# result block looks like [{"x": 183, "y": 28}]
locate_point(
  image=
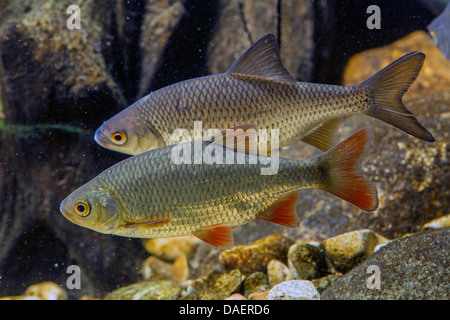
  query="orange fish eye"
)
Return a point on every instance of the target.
[
  {"x": 118, "y": 137},
  {"x": 82, "y": 208}
]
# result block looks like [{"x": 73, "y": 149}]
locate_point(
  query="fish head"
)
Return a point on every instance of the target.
[
  {"x": 127, "y": 132},
  {"x": 92, "y": 207}
]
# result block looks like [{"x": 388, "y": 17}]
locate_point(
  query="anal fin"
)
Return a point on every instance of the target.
[{"x": 323, "y": 136}]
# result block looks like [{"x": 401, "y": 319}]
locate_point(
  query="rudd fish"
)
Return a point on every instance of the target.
[
  {"x": 147, "y": 195},
  {"x": 259, "y": 90},
  {"x": 439, "y": 31}
]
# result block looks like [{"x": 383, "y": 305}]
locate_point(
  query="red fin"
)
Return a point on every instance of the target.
[
  {"x": 343, "y": 178},
  {"x": 148, "y": 224},
  {"x": 219, "y": 236},
  {"x": 282, "y": 212}
]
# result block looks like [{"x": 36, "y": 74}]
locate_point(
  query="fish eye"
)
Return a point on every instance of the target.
[
  {"x": 82, "y": 208},
  {"x": 118, "y": 137}
]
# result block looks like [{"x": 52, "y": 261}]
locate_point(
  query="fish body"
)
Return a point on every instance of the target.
[
  {"x": 259, "y": 90},
  {"x": 439, "y": 31},
  {"x": 149, "y": 196}
]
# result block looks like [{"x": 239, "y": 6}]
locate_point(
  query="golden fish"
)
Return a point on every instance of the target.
[
  {"x": 259, "y": 90},
  {"x": 149, "y": 195}
]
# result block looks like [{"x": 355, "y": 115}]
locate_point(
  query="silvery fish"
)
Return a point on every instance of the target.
[
  {"x": 259, "y": 90},
  {"x": 439, "y": 30},
  {"x": 151, "y": 195}
]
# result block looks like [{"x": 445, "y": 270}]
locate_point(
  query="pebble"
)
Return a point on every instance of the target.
[
  {"x": 170, "y": 249},
  {"x": 86, "y": 297},
  {"x": 349, "y": 249},
  {"x": 255, "y": 282},
  {"x": 438, "y": 223},
  {"x": 180, "y": 269},
  {"x": 278, "y": 272},
  {"x": 147, "y": 290},
  {"x": 259, "y": 295},
  {"x": 46, "y": 291},
  {"x": 323, "y": 283},
  {"x": 21, "y": 297},
  {"x": 236, "y": 296},
  {"x": 306, "y": 261},
  {"x": 153, "y": 268},
  {"x": 256, "y": 256},
  {"x": 215, "y": 286},
  {"x": 294, "y": 290}
]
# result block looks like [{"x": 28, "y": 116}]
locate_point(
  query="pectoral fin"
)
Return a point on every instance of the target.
[{"x": 149, "y": 224}]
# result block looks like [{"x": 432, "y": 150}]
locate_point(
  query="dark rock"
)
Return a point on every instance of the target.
[
  {"x": 56, "y": 89},
  {"x": 413, "y": 267},
  {"x": 297, "y": 45},
  {"x": 160, "y": 20},
  {"x": 241, "y": 23}
]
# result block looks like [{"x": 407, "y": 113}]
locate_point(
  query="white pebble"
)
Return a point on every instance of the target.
[
  {"x": 294, "y": 290},
  {"x": 439, "y": 223}
]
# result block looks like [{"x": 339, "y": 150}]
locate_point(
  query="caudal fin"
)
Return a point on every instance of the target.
[
  {"x": 388, "y": 86},
  {"x": 343, "y": 178}
]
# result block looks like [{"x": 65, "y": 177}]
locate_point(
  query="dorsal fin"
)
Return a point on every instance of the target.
[{"x": 262, "y": 59}]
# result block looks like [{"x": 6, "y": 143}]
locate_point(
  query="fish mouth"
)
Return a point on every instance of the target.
[
  {"x": 61, "y": 209},
  {"x": 65, "y": 213},
  {"x": 99, "y": 136}
]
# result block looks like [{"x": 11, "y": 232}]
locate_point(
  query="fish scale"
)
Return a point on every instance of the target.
[
  {"x": 268, "y": 106},
  {"x": 136, "y": 189}
]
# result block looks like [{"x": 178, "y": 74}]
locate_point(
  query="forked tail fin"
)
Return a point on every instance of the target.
[
  {"x": 342, "y": 178},
  {"x": 388, "y": 86}
]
